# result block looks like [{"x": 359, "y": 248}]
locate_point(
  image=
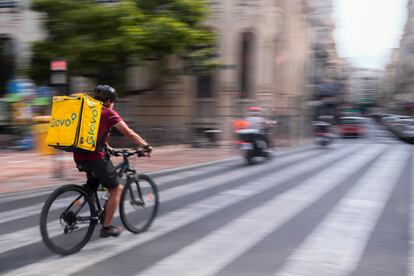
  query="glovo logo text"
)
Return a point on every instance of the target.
[
  {"x": 92, "y": 128},
  {"x": 63, "y": 122}
]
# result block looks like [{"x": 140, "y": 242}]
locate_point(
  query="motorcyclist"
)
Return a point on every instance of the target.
[
  {"x": 256, "y": 121},
  {"x": 323, "y": 125}
]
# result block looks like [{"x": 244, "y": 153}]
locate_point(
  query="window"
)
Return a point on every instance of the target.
[
  {"x": 245, "y": 74},
  {"x": 205, "y": 86}
]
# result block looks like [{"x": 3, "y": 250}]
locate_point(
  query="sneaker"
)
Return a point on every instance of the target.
[{"x": 110, "y": 231}]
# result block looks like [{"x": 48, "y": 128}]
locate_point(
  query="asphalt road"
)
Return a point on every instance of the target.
[{"x": 341, "y": 210}]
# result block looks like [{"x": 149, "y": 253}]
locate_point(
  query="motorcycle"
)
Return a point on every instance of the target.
[
  {"x": 252, "y": 143},
  {"x": 323, "y": 136}
]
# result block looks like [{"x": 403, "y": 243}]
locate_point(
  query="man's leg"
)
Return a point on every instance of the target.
[
  {"x": 92, "y": 183},
  {"x": 108, "y": 177},
  {"x": 112, "y": 204}
]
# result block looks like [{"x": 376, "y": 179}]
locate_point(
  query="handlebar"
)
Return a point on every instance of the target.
[{"x": 128, "y": 152}]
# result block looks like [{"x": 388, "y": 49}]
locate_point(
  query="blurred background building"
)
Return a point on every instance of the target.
[
  {"x": 404, "y": 82},
  {"x": 388, "y": 96},
  {"x": 264, "y": 48},
  {"x": 19, "y": 27},
  {"x": 276, "y": 54},
  {"x": 327, "y": 70},
  {"x": 364, "y": 87}
]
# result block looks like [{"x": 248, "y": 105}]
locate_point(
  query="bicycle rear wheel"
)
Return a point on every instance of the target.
[
  {"x": 67, "y": 220},
  {"x": 139, "y": 204}
]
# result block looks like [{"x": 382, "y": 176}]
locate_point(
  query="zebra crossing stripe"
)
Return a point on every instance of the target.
[
  {"x": 4, "y": 198},
  {"x": 203, "y": 184},
  {"x": 35, "y": 208},
  {"x": 335, "y": 247},
  {"x": 97, "y": 251},
  {"x": 411, "y": 229},
  {"x": 193, "y": 170},
  {"x": 232, "y": 240},
  {"x": 31, "y": 235},
  {"x": 159, "y": 176},
  {"x": 27, "y": 211}
]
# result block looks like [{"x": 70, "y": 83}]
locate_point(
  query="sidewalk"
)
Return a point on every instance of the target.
[{"x": 28, "y": 170}]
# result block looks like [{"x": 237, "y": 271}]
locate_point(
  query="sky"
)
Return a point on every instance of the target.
[{"x": 367, "y": 30}]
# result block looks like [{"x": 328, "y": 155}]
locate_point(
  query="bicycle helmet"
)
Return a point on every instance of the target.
[{"x": 105, "y": 92}]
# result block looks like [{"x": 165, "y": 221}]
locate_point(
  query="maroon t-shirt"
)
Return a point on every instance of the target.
[{"x": 109, "y": 118}]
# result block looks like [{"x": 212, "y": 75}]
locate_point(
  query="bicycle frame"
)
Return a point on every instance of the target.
[
  {"x": 84, "y": 206},
  {"x": 124, "y": 168},
  {"x": 97, "y": 215}
]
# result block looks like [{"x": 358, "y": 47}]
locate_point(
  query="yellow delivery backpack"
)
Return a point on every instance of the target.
[{"x": 74, "y": 122}]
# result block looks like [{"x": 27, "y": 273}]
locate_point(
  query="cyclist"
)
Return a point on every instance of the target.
[{"x": 98, "y": 166}]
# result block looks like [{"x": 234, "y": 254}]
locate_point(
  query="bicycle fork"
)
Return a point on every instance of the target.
[{"x": 134, "y": 201}]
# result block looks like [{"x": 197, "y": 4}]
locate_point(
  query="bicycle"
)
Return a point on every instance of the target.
[{"x": 72, "y": 211}]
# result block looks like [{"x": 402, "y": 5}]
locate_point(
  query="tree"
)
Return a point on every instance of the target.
[{"x": 100, "y": 40}]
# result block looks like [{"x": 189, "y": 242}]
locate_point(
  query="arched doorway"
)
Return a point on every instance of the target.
[
  {"x": 246, "y": 65},
  {"x": 7, "y": 62}
]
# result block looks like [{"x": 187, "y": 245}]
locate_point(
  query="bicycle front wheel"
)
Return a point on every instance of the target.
[
  {"x": 67, "y": 220},
  {"x": 139, "y": 204}
]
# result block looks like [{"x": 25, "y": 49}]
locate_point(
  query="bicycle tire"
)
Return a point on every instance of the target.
[
  {"x": 151, "y": 197},
  {"x": 47, "y": 239}
]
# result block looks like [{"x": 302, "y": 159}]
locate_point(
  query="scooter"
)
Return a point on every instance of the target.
[
  {"x": 252, "y": 143},
  {"x": 323, "y": 137}
]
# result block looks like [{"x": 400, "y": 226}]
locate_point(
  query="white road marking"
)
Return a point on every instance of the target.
[
  {"x": 32, "y": 235},
  {"x": 232, "y": 240},
  {"x": 337, "y": 244},
  {"x": 94, "y": 252}
]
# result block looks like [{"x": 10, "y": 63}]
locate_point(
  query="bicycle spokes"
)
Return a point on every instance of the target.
[
  {"x": 139, "y": 204},
  {"x": 68, "y": 220}
]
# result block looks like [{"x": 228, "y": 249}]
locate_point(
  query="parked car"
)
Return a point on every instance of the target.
[
  {"x": 406, "y": 129},
  {"x": 352, "y": 126},
  {"x": 388, "y": 119}
]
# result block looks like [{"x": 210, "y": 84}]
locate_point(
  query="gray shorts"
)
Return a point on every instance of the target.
[{"x": 101, "y": 169}]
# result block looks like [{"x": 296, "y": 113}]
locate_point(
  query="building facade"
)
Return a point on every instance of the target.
[
  {"x": 264, "y": 49},
  {"x": 327, "y": 79},
  {"x": 389, "y": 96},
  {"x": 19, "y": 27},
  {"x": 404, "y": 83},
  {"x": 269, "y": 50},
  {"x": 365, "y": 87}
]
